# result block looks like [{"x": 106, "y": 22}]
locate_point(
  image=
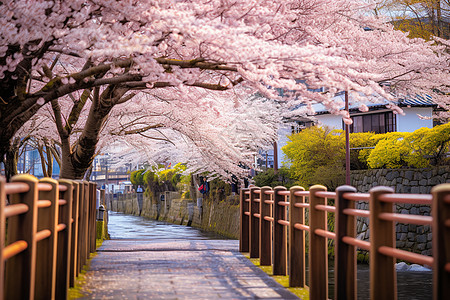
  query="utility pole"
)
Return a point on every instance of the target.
[
  {"x": 275, "y": 157},
  {"x": 347, "y": 144}
]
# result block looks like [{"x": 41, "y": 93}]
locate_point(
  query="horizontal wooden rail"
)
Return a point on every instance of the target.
[
  {"x": 15, "y": 209},
  {"x": 247, "y": 192},
  {"x": 407, "y": 219},
  {"x": 268, "y": 201},
  {"x": 62, "y": 188},
  {"x": 283, "y": 222},
  {"x": 302, "y": 205},
  {"x": 302, "y": 193},
  {"x": 44, "y": 187},
  {"x": 247, "y": 213},
  {"x": 270, "y": 192},
  {"x": 327, "y": 208},
  {"x": 62, "y": 202},
  {"x": 447, "y": 199},
  {"x": 257, "y": 200},
  {"x": 447, "y": 267},
  {"x": 283, "y": 203},
  {"x": 407, "y": 198},
  {"x": 247, "y": 200},
  {"x": 447, "y": 223},
  {"x": 14, "y": 249},
  {"x": 270, "y": 219},
  {"x": 355, "y": 242},
  {"x": 325, "y": 233},
  {"x": 406, "y": 255},
  {"x": 357, "y": 196},
  {"x": 44, "y": 203},
  {"x": 301, "y": 227},
  {"x": 257, "y": 215},
  {"x": 16, "y": 188},
  {"x": 61, "y": 227},
  {"x": 284, "y": 193},
  {"x": 330, "y": 195},
  {"x": 356, "y": 212},
  {"x": 257, "y": 191},
  {"x": 43, "y": 234}
]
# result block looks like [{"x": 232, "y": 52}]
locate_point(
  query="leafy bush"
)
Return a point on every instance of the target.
[
  {"x": 137, "y": 178},
  {"x": 317, "y": 155},
  {"x": 269, "y": 178},
  {"x": 422, "y": 148}
]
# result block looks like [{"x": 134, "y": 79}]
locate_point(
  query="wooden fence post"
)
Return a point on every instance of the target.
[
  {"x": 2, "y": 233},
  {"x": 345, "y": 255},
  {"x": 318, "y": 247},
  {"x": 93, "y": 217},
  {"x": 85, "y": 232},
  {"x": 265, "y": 230},
  {"x": 244, "y": 222},
  {"x": 74, "y": 237},
  {"x": 20, "y": 272},
  {"x": 297, "y": 264},
  {"x": 64, "y": 241},
  {"x": 46, "y": 250},
  {"x": 254, "y": 224},
  {"x": 441, "y": 241},
  {"x": 279, "y": 234},
  {"x": 81, "y": 228},
  {"x": 383, "y": 279}
]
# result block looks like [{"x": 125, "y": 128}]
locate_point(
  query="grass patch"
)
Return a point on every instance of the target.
[
  {"x": 77, "y": 291},
  {"x": 302, "y": 293}
]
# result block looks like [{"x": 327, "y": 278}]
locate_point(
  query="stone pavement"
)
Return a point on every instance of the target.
[{"x": 177, "y": 269}]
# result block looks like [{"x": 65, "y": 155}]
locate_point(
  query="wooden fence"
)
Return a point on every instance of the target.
[
  {"x": 267, "y": 232},
  {"x": 51, "y": 230}
]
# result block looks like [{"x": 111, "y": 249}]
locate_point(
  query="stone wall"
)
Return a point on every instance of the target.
[
  {"x": 415, "y": 238},
  {"x": 415, "y": 181}
]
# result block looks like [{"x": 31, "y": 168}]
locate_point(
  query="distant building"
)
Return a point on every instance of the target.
[
  {"x": 114, "y": 179},
  {"x": 379, "y": 118}
]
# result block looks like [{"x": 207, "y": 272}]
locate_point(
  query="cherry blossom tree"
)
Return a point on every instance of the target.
[{"x": 105, "y": 52}]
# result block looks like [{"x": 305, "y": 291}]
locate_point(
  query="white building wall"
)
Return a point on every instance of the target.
[
  {"x": 411, "y": 121},
  {"x": 330, "y": 120}
]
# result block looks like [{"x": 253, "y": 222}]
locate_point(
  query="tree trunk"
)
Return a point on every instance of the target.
[
  {"x": 12, "y": 157},
  {"x": 75, "y": 163}
]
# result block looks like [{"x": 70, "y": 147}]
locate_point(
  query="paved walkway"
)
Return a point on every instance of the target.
[
  {"x": 177, "y": 269},
  {"x": 174, "y": 268}
]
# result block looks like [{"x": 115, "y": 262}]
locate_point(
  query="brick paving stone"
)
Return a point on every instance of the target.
[{"x": 176, "y": 269}]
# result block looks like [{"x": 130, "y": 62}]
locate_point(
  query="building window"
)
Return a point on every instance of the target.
[
  {"x": 300, "y": 125},
  {"x": 378, "y": 123}
]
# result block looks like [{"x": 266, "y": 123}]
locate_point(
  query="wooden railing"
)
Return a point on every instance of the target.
[
  {"x": 51, "y": 230},
  {"x": 267, "y": 232}
]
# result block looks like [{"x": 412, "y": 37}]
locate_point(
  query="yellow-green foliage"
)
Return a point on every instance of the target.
[
  {"x": 316, "y": 149},
  {"x": 158, "y": 179},
  {"x": 317, "y": 155},
  {"x": 419, "y": 149},
  {"x": 390, "y": 152}
]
